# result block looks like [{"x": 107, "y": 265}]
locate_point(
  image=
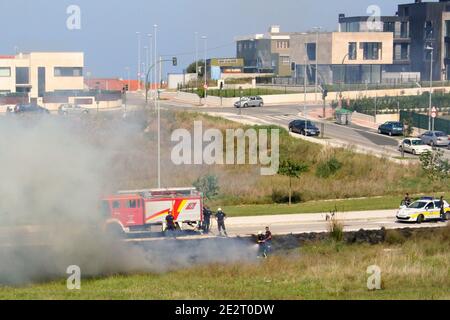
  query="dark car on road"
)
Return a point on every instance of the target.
[
  {"x": 306, "y": 128},
  {"x": 392, "y": 128},
  {"x": 30, "y": 109}
]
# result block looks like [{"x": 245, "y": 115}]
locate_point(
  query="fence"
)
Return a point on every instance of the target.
[{"x": 421, "y": 121}]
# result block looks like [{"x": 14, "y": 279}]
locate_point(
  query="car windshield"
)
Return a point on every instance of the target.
[
  {"x": 440, "y": 134},
  {"x": 418, "y": 205},
  {"x": 417, "y": 143},
  {"x": 397, "y": 124}
]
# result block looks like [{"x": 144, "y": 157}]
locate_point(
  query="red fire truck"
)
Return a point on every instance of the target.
[{"x": 140, "y": 210}]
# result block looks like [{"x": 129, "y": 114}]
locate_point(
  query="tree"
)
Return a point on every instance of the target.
[
  {"x": 291, "y": 169},
  {"x": 191, "y": 67},
  {"x": 208, "y": 185},
  {"x": 435, "y": 166}
]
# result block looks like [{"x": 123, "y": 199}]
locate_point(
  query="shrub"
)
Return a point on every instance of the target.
[
  {"x": 394, "y": 237},
  {"x": 336, "y": 230},
  {"x": 328, "y": 168},
  {"x": 281, "y": 197},
  {"x": 208, "y": 185}
]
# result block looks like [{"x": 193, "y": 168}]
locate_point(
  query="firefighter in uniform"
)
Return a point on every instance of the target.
[
  {"x": 206, "y": 219},
  {"x": 170, "y": 222},
  {"x": 220, "y": 217}
]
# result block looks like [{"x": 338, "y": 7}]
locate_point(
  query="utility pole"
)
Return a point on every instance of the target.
[
  {"x": 304, "y": 98},
  {"x": 155, "y": 27},
  {"x": 150, "y": 59},
  {"x": 317, "y": 61},
  {"x": 196, "y": 59},
  {"x": 205, "y": 38},
  {"x": 431, "y": 86},
  {"x": 139, "y": 61}
]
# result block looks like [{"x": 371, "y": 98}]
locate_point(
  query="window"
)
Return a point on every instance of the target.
[
  {"x": 68, "y": 71},
  {"x": 430, "y": 206},
  {"x": 22, "y": 75},
  {"x": 371, "y": 50},
  {"x": 404, "y": 29},
  {"x": 132, "y": 204},
  {"x": 285, "y": 60},
  {"x": 5, "y": 72},
  {"x": 311, "y": 51},
  {"x": 352, "y": 51},
  {"x": 401, "y": 51},
  {"x": 239, "y": 47},
  {"x": 429, "y": 30},
  {"x": 116, "y": 205},
  {"x": 389, "y": 27}
]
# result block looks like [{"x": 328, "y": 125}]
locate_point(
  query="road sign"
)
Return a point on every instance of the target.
[{"x": 434, "y": 112}]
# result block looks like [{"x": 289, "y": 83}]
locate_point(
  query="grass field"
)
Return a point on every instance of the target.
[
  {"x": 346, "y": 205},
  {"x": 417, "y": 268}
]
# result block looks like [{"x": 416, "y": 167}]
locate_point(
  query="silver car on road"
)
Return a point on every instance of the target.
[
  {"x": 246, "y": 102},
  {"x": 435, "y": 138},
  {"x": 67, "y": 108}
]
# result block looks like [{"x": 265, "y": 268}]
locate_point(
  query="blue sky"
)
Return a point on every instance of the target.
[{"x": 108, "y": 38}]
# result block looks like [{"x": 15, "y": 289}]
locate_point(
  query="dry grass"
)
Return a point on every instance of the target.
[
  {"x": 417, "y": 269},
  {"x": 360, "y": 175}
]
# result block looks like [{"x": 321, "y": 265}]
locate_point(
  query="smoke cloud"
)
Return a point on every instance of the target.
[{"x": 53, "y": 173}]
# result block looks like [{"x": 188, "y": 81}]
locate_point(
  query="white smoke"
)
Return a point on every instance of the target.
[{"x": 53, "y": 173}]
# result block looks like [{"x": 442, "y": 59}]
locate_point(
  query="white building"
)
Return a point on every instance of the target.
[{"x": 38, "y": 73}]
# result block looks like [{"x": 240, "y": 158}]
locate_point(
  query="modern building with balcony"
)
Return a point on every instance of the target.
[
  {"x": 37, "y": 73},
  {"x": 420, "y": 29},
  {"x": 351, "y": 57}
]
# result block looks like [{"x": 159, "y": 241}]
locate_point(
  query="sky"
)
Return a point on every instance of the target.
[{"x": 107, "y": 33}]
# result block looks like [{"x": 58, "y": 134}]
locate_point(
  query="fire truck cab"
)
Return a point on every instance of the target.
[{"x": 140, "y": 210}]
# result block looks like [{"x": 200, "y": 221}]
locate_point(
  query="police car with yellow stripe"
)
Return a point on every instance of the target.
[{"x": 425, "y": 209}]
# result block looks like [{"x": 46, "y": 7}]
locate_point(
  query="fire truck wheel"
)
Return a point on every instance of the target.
[{"x": 115, "y": 231}]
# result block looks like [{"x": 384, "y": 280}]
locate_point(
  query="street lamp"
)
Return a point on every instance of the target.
[
  {"x": 150, "y": 54},
  {"x": 317, "y": 29},
  {"x": 431, "y": 85},
  {"x": 196, "y": 59},
  {"x": 155, "y": 78},
  {"x": 139, "y": 60},
  {"x": 205, "y": 38}
]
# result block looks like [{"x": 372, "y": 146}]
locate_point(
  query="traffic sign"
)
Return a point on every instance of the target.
[{"x": 434, "y": 112}]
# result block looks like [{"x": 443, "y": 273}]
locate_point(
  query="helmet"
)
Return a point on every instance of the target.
[
  {"x": 220, "y": 209},
  {"x": 260, "y": 233}
]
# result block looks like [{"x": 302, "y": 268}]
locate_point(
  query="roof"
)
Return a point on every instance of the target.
[{"x": 7, "y": 57}]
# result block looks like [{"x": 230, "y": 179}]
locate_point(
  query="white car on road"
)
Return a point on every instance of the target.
[
  {"x": 415, "y": 146},
  {"x": 425, "y": 209}
]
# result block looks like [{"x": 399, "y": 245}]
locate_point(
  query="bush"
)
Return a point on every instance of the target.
[
  {"x": 208, "y": 185},
  {"x": 328, "y": 168},
  {"x": 282, "y": 197},
  {"x": 336, "y": 230},
  {"x": 394, "y": 237}
]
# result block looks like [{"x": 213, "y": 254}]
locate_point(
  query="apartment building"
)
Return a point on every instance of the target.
[
  {"x": 38, "y": 73},
  {"x": 353, "y": 57},
  {"x": 420, "y": 29}
]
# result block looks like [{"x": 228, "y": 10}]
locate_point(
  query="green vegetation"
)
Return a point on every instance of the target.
[
  {"x": 364, "y": 204},
  {"x": 291, "y": 170},
  {"x": 208, "y": 185},
  {"x": 342, "y": 173},
  {"x": 414, "y": 268},
  {"x": 389, "y": 104}
]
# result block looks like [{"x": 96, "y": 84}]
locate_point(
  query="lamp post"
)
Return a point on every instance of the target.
[
  {"x": 150, "y": 36},
  {"x": 155, "y": 75},
  {"x": 196, "y": 59},
  {"x": 205, "y": 38},
  {"x": 317, "y": 29},
  {"x": 431, "y": 49},
  {"x": 139, "y": 60}
]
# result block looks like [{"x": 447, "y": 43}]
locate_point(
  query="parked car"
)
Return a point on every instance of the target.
[
  {"x": 68, "y": 108},
  {"x": 425, "y": 209},
  {"x": 415, "y": 146},
  {"x": 391, "y": 128},
  {"x": 30, "y": 108},
  {"x": 435, "y": 138},
  {"x": 246, "y": 102},
  {"x": 306, "y": 128}
]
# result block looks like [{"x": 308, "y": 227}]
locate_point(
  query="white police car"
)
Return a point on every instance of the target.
[{"x": 425, "y": 209}]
